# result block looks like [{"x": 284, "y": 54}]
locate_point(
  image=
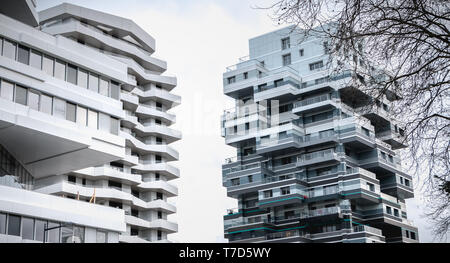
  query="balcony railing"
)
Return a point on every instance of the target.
[
  {"x": 287, "y": 234},
  {"x": 315, "y": 155},
  {"x": 313, "y": 100},
  {"x": 363, "y": 228}
]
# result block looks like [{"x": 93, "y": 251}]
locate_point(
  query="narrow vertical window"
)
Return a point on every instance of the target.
[
  {"x": 92, "y": 119},
  {"x": 33, "y": 100},
  {"x": 71, "y": 112},
  {"x": 93, "y": 82},
  {"x": 72, "y": 74},
  {"x": 21, "y": 95},
  {"x": 9, "y": 49},
  {"x": 7, "y": 90},
  {"x": 81, "y": 116},
  {"x": 48, "y": 65},
  {"x": 104, "y": 87},
  {"x": 60, "y": 69},
  {"x": 115, "y": 90},
  {"x": 82, "y": 78},
  {"x": 23, "y": 55},
  {"x": 46, "y": 104},
  {"x": 36, "y": 59},
  {"x": 59, "y": 108}
]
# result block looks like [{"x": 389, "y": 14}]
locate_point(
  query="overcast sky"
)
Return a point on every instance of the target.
[{"x": 199, "y": 39}]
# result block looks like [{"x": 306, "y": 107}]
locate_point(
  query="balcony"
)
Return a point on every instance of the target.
[
  {"x": 166, "y": 188},
  {"x": 148, "y": 111},
  {"x": 278, "y": 143},
  {"x": 245, "y": 221},
  {"x": 165, "y": 169},
  {"x": 328, "y": 155},
  {"x": 309, "y": 214},
  {"x": 395, "y": 139},
  {"x": 161, "y": 94},
  {"x": 317, "y": 103},
  {"x": 253, "y": 68},
  {"x": 295, "y": 235}
]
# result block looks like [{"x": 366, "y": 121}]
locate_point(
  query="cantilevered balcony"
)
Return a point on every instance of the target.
[
  {"x": 323, "y": 156},
  {"x": 395, "y": 139},
  {"x": 165, "y": 169},
  {"x": 318, "y": 103}
]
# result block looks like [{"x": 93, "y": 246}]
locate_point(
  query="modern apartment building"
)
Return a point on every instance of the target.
[
  {"x": 314, "y": 162},
  {"x": 84, "y": 128}
]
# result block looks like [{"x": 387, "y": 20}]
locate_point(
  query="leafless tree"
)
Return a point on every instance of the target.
[{"x": 409, "y": 40}]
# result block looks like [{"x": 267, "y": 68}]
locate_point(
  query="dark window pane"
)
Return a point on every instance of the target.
[
  {"x": 27, "y": 228},
  {"x": 21, "y": 95},
  {"x": 71, "y": 112},
  {"x": 72, "y": 74},
  {"x": 115, "y": 126},
  {"x": 23, "y": 55},
  {"x": 36, "y": 59},
  {"x": 2, "y": 224},
  {"x": 14, "y": 225},
  {"x": 115, "y": 90}
]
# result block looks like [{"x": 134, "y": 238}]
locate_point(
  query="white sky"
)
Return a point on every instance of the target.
[{"x": 199, "y": 39}]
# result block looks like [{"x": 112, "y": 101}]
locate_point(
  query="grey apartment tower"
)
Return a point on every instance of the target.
[{"x": 314, "y": 163}]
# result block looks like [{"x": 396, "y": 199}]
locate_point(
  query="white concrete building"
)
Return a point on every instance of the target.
[{"x": 83, "y": 115}]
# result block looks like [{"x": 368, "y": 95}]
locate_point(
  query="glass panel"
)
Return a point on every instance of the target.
[
  {"x": 27, "y": 228},
  {"x": 33, "y": 100},
  {"x": 67, "y": 234},
  {"x": 82, "y": 78},
  {"x": 23, "y": 55},
  {"x": 104, "y": 122},
  {"x": 101, "y": 237},
  {"x": 115, "y": 90},
  {"x": 21, "y": 95},
  {"x": 59, "y": 108},
  {"x": 7, "y": 90},
  {"x": 53, "y": 235},
  {"x": 39, "y": 233},
  {"x": 93, "y": 119},
  {"x": 104, "y": 87},
  {"x": 78, "y": 233},
  {"x": 71, "y": 112},
  {"x": 46, "y": 104},
  {"x": 13, "y": 225},
  {"x": 93, "y": 82},
  {"x": 47, "y": 65},
  {"x": 114, "y": 126},
  {"x": 81, "y": 116},
  {"x": 72, "y": 74},
  {"x": 60, "y": 69},
  {"x": 2, "y": 224},
  {"x": 36, "y": 59},
  {"x": 9, "y": 49}
]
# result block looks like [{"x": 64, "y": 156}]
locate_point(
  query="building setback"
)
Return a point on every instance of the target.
[
  {"x": 314, "y": 163},
  {"x": 83, "y": 120}
]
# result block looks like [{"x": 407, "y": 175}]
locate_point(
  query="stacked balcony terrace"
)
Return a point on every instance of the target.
[
  {"x": 314, "y": 162},
  {"x": 139, "y": 182}
]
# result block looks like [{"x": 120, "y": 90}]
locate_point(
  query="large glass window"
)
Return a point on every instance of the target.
[
  {"x": 53, "y": 235},
  {"x": 46, "y": 104},
  {"x": 82, "y": 78},
  {"x": 9, "y": 49},
  {"x": 47, "y": 65},
  {"x": 70, "y": 112},
  {"x": 21, "y": 95},
  {"x": 72, "y": 234},
  {"x": 59, "y": 108},
  {"x": 72, "y": 74},
  {"x": 36, "y": 59},
  {"x": 92, "y": 119},
  {"x": 104, "y": 122},
  {"x": 2, "y": 224},
  {"x": 115, "y": 90},
  {"x": 23, "y": 55},
  {"x": 104, "y": 87},
  {"x": 115, "y": 123},
  {"x": 101, "y": 237},
  {"x": 39, "y": 233},
  {"x": 81, "y": 116},
  {"x": 7, "y": 90},
  {"x": 33, "y": 100},
  {"x": 27, "y": 228},
  {"x": 60, "y": 69},
  {"x": 93, "y": 82},
  {"x": 13, "y": 225}
]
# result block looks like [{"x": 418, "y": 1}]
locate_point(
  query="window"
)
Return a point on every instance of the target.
[
  {"x": 114, "y": 184},
  {"x": 21, "y": 95},
  {"x": 82, "y": 78},
  {"x": 33, "y": 100},
  {"x": 245, "y": 75},
  {"x": 101, "y": 237},
  {"x": 316, "y": 65},
  {"x": 46, "y": 104},
  {"x": 413, "y": 235},
  {"x": 28, "y": 228},
  {"x": 135, "y": 193},
  {"x": 2, "y": 224},
  {"x": 286, "y": 59},
  {"x": 13, "y": 225},
  {"x": 48, "y": 65},
  {"x": 115, "y": 204},
  {"x": 36, "y": 59},
  {"x": 159, "y": 234},
  {"x": 9, "y": 49},
  {"x": 396, "y": 212},
  {"x": 59, "y": 108},
  {"x": 158, "y": 158},
  {"x": 39, "y": 230},
  {"x": 250, "y": 178},
  {"x": 267, "y": 194},
  {"x": 135, "y": 212},
  {"x": 60, "y": 69},
  {"x": 159, "y": 106},
  {"x": 286, "y": 160},
  {"x": 326, "y": 48},
  {"x": 235, "y": 182},
  {"x": 158, "y": 121},
  {"x": 81, "y": 116},
  {"x": 72, "y": 74},
  {"x": 278, "y": 83},
  {"x": 371, "y": 187},
  {"x": 285, "y": 43},
  {"x": 160, "y": 215},
  {"x": 104, "y": 122},
  {"x": 285, "y": 190},
  {"x": 93, "y": 82},
  {"x": 115, "y": 90},
  {"x": 71, "y": 112},
  {"x": 134, "y": 232},
  {"x": 407, "y": 183},
  {"x": 7, "y": 90},
  {"x": 92, "y": 119},
  {"x": 158, "y": 140},
  {"x": 262, "y": 87},
  {"x": 83, "y": 181},
  {"x": 23, "y": 55},
  {"x": 71, "y": 179},
  {"x": 231, "y": 80},
  {"x": 301, "y": 52},
  {"x": 104, "y": 87},
  {"x": 157, "y": 176},
  {"x": 159, "y": 196},
  {"x": 388, "y": 210},
  {"x": 114, "y": 128}
]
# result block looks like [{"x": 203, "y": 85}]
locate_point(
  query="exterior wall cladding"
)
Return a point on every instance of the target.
[
  {"x": 313, "y": 164},
  {"x": 83, "y": 114}
]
